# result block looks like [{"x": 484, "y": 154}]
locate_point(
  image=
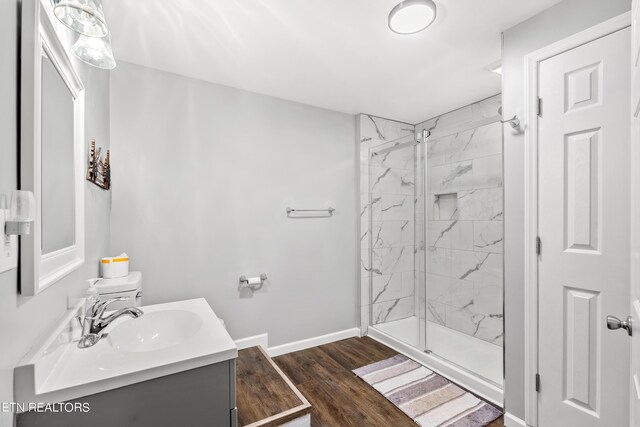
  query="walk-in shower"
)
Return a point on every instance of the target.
[{"x": 433, "y": 256}]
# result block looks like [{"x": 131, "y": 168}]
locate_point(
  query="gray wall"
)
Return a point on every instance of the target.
[
  {"x": 24, "y": 319},
  {"x": 202, "y": 175},
  {"x": 556, "y": 23}
]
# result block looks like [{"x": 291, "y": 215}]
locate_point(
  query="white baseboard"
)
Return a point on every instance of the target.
[
  {"x": 313, "y": 342},
  {"x": 262, "y": 340},
  {"x": 513, "y": 421}
]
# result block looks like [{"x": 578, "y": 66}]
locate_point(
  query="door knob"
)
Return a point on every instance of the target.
[{"x": 614, "y": 323}]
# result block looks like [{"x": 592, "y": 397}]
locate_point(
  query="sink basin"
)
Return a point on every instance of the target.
[
  {"x": 154, "y": 331},
  {"x": 167, "y": 339}
]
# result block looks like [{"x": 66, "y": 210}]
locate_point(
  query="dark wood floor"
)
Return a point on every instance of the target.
[
  {"x": 339, "y": 398},
  {"x": 265, "y": 396}
]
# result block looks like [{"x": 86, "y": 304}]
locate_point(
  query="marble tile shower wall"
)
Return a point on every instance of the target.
[
  {"x": 464, "y": 222},
  {"x": 387, "y": 222}
]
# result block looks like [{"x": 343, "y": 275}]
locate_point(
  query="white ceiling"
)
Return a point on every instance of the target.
[{"x": 336, "y": 54}]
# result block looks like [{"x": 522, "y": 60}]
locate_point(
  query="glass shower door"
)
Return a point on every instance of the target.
[
  {"x": 464, "y": 220},
  {"x": 396, "y": 244}
]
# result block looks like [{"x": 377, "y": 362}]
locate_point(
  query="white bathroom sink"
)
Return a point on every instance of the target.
[
  {"x": 154, "y": 331},
  {"x": 167, "y": 339}
]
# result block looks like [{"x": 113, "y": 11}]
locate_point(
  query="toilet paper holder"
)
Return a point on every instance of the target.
[{"x": 253, "y": 282}]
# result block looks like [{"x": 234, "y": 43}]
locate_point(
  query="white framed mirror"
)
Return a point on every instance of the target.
[{"x": 51, "y": 153}]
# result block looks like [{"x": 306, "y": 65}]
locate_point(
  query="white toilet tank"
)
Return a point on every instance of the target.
[{"x": 129, "y": 286}]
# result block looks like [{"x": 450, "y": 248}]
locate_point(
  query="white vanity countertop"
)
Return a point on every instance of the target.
[{"x": 57, "y": 372}]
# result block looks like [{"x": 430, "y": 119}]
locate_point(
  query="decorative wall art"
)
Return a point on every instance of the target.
[{"x": 99, "y": 171}]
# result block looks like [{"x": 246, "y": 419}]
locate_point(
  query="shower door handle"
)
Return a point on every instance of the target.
[{"x": 614, "y": 323}]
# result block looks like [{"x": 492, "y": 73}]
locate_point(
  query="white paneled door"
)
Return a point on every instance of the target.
[
  {"x": 583, "y": 223},
  {"x": 635, "y": 214}
]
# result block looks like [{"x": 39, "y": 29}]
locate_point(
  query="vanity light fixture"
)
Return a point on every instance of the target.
[
  {"x": 95, "y": 51},
  {"x": 412, "y": 16},
  {"x": 86, "y": 18},
  {"x": 82, "y": 16}
]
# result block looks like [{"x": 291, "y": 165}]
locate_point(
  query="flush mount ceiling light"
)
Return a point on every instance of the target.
[
  {"x": 412, "y": 16},
  {"x": 82, "y": 16}
]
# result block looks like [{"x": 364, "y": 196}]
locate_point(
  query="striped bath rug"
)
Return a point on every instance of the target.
[{"x": 426, "y": 397}]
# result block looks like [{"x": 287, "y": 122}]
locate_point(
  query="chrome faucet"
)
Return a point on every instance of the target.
[{"x": 94, "y": 323}]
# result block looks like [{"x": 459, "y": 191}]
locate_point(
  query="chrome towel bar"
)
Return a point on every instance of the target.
[{"x": 329, "y": 210}]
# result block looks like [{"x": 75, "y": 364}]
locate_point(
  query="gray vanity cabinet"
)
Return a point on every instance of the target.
[{"x": 203, "y": 396}]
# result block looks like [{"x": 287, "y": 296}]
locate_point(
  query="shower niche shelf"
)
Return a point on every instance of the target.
[{"x": 445, "y": 206}]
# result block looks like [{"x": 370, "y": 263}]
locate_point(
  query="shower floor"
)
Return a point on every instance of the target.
[{"x": 478, "y": 356}]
